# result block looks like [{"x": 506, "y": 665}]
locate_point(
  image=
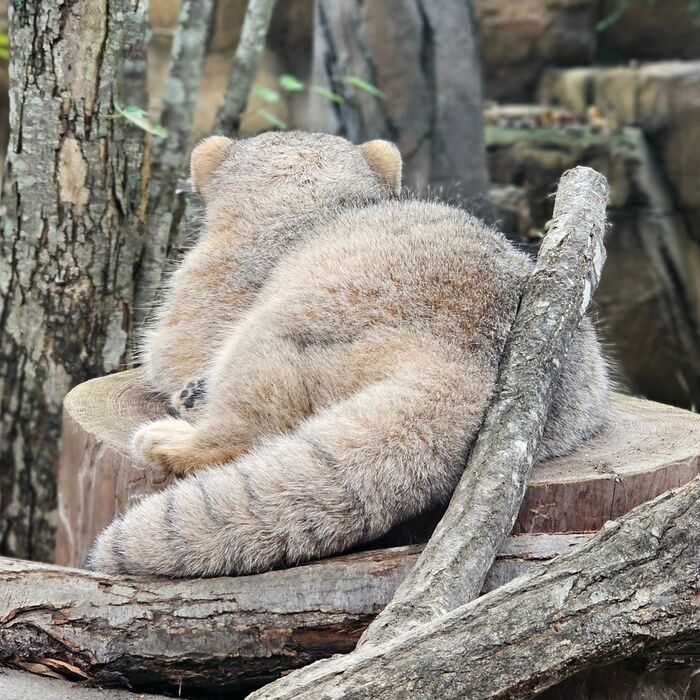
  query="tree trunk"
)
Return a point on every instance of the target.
[
  {"x": 423, "y": 56},
  {"x": 486, "y": 502},
  {"x": 245, "y": 65},
  {"x": 228, "y": 634},
  {"x": 632, "y": 588},
  {"x": 72, "y": 232},
  {"x": 256, "y": 23},
  {"x": 170, "y": 155}
]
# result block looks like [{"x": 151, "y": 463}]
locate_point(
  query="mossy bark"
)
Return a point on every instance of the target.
[{"x": 72, "y": 234}]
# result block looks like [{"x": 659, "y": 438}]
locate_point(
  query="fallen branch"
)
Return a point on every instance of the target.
[
  {"x": 225, "y": 633},
  {"x": 484, "y": 507},
  {"x": 633, "y": 588}
]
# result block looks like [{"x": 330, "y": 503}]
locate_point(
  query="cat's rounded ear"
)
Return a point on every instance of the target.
[
  {"x": 384, "y": 158},
  {"x": 206, "y": 157}
]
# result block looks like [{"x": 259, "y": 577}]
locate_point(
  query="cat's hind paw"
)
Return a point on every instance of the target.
[{"x": 168, "y": 444}]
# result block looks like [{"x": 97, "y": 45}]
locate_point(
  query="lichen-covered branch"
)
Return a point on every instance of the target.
[
  {"x": 225, "y": 633},
  {"x": 485, "y": 504},
  {"x": 169, "y": 155},
  {"x": 72, "y": 232},
  {"x": 245, "y": 65},
  {"x": 633, "y": 588}
]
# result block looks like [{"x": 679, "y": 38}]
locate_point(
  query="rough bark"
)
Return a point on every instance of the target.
[
  {"x": 71, "y": 235},
  {"x": 230, "y": 634},
  {"x": 245, "y": 64},
  {"x": 632, "y": 588},
  {"x": 169, "y": 156},
  {"x": 488, "y": 498},
  {"x": 645, "y": 450},
  {"x": 423, "y": 56}
]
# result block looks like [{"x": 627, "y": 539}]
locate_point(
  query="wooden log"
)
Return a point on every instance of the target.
[
  {"x": 485, "y": 505},
  {"x": 232, "y": 634},
  {"x": 632, "y": 588},
  {"x": 647, "y": 449}
]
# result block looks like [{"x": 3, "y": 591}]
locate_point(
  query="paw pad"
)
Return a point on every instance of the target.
[{"x": 193, "y": 393}]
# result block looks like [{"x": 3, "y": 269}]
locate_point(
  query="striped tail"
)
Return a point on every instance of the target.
[{"x": 344, "y": 477}]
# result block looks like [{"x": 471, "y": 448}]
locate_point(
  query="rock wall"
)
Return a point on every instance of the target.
[
  {"x": 663, "y": 99},
  {"x": 649, "y": 297},
  {"x": 650, "y": 31},
  {"x": 519, "y": 38}
]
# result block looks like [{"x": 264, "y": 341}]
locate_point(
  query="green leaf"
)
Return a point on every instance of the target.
[
  {"x": 4, "y": 40},
  {"x": 138, "y": 117},
  {"x": 290, "y": 83},
  {"x": 325, "y": 92},
  {"x": 272, "y": 119},
  {"x": 4, "y": 53},
  {"x": 267, "y": 94},
  {"x": 622, "y": 6},
  {"x": 361, "y": 84}
]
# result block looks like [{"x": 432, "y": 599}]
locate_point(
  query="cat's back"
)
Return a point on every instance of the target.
[{"x": 404, "y": 263}]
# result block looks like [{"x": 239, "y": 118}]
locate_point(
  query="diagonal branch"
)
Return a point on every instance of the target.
[
  {"x": 633, "y": 588},
  {"x": 452, "y": 568}
]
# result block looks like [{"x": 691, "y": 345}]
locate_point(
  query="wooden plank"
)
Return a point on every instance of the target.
[{"x": 647, "y": 449}]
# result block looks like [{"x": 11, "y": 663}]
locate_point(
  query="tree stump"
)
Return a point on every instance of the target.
[
  {"x": 647, "y": 449},
  {"x": 236, "y": 634}
]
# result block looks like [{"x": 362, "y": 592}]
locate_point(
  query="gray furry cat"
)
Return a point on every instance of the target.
[{"x": 332, "y": 349}]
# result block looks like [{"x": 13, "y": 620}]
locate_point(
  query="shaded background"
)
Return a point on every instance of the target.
[{"x": 560, "y": 89}]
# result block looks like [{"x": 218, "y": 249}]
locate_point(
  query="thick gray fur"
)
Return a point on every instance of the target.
[{"x": 349, "y": 340}]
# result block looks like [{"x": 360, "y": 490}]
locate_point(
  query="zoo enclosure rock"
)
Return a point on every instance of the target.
[
  {"x": 519, "y": 38},
  {"x": 663, "y": 99},
  {"x": 649, "y": 296},
  {"x": 651, "y": 31}
]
